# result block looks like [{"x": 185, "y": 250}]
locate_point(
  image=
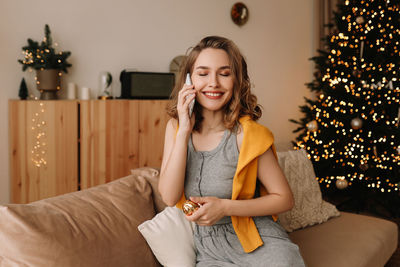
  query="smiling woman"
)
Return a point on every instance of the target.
[{"x": 221, "y": 159}]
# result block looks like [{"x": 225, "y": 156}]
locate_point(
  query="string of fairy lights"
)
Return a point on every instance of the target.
[
  {"x": 39, "y": 148},
  {"x": 370, "y": 89},
  {"x": 42, "y": 57},
  {"x": 39, "y": 55}
]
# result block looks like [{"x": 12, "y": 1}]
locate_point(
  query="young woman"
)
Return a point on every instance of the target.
[{"x": 222, "y": 159}]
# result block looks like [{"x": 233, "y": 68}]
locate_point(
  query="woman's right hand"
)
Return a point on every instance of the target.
[{"x": 185, "y": 96}]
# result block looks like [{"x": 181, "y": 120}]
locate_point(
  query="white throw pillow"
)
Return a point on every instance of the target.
[{"x": 170, "y": 237}]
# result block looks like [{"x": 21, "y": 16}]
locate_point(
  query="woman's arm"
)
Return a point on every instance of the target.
[
  {"x": 172, "y": 174},
  {"x": 173, "y": 166},
  {"x": 278, "y": 199}
]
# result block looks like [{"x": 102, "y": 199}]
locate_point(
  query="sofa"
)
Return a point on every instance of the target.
[{"x": 99, "y": 227}]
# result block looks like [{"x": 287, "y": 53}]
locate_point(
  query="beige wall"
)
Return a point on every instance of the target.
[{"x": 112, "y": 35}]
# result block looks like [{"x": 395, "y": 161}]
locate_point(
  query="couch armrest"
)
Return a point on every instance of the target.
[{"x": 348, "y": 241}]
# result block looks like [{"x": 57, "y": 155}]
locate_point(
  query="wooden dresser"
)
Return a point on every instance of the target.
[{"x": 60, "y": 146}]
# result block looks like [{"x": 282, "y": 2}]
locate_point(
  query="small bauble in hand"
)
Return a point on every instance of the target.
[
  {"x": 356, "y": 123},
  {"x": 189, "y": 207},
  {"x": 341, "y": 184},
  {"x": 312, "y": 126}
]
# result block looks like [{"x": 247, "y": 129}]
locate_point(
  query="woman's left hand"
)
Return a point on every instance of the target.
[{"x": 212, "y": 210}]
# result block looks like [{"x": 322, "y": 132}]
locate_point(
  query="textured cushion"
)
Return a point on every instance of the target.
[
  {"x": 93, "y": 227},
  {"x": 151, "y": 175},
  {"x": 170, "y": 237},
  {"x": 347, "y": 241},
  {"x": 309, "y": 208}
]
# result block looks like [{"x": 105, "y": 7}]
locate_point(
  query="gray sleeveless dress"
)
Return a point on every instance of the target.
[{"x": 210, "y": 173}]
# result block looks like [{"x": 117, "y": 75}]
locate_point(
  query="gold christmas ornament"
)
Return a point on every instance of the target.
[
  {"x": 356, "y": 123},
  {"x": 364, "y": 166},
  {"x": 341, "y": 184},
  {"x": 375, "y": 151},
  {"x": 360, "y": 20},
  {"x": 312, "y": 126},
  {"x": 189, "y": 207},
  {"x": 357, "y": 73}
]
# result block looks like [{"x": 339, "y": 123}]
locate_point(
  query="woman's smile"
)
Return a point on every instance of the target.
[{"x": 213, "y": 94}]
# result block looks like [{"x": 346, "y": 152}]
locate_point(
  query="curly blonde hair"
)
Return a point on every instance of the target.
[{"x": 242, "y": 103}]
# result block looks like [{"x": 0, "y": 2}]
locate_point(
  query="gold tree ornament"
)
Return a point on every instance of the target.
[
  {"x": 357, "y": 73},
  {"x": 341, "y": 183},
  {"x": 360, "y": 20},
  {"x": 375, "y": 151},
  {"x": 312, "y": 126},
  {"x": 356, "y": 123},
  {"x": 364, "y": 166}
]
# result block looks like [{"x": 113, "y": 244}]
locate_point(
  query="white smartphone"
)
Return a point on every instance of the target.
[{"x": 191, "y": 104}]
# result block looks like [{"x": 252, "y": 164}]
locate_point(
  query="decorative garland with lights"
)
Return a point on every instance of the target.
[
  {"x": 39, "y": 132},
  {"x": 44, "y": 56},
  {"x": 351, "y": 130}
]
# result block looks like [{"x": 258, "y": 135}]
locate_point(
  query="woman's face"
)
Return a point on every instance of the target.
[{"x": 213, "y": 79}]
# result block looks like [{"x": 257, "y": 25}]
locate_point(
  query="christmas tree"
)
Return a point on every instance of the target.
[
  {"x": 43, "y": 55},
  {"x": 23, "y": 90},
  {"x": 351, "y": 130}
]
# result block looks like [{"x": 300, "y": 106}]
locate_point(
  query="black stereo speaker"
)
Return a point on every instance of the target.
[{"x": 146, "y": 85}]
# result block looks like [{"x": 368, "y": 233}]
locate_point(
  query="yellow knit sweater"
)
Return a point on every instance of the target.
[{"x": 257, "y": 139}]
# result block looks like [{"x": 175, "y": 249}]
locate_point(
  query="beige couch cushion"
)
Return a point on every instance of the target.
[
  {"x": 350, "y": 240},
  {"x": 94, "y": 227},
  {"x": 152, "y": 176},
  {"x": 309, "y": 208}
]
